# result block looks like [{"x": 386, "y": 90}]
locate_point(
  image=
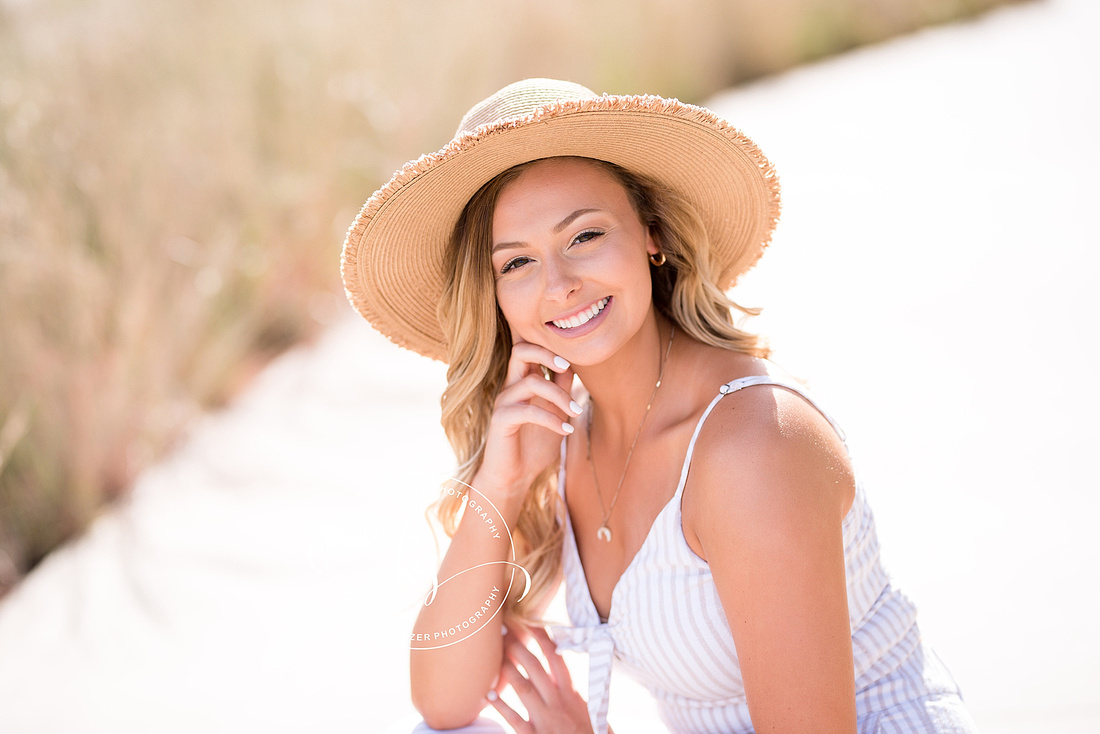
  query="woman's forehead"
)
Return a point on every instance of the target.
[{"x": 552, "y": 186}]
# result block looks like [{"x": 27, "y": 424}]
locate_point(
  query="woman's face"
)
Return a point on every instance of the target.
[{"x": 570, "y": 260}]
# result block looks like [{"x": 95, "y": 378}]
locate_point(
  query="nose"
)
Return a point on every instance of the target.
[{"x": 560, "y": 279}]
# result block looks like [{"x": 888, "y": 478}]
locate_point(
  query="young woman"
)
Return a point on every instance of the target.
[{"x": 568, "y": 254}]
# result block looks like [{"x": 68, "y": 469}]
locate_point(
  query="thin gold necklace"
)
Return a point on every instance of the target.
[{"x": 604, "y": 532}]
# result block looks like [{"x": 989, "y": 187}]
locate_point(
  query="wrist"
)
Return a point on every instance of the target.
[{"x": 507, "y": 497}]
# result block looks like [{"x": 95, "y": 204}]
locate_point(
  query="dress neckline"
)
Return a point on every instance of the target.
[
  {"x": 723, "y": 390},
  {"x": 629, "y": 566},
  {"x": 649, "y": 533}
]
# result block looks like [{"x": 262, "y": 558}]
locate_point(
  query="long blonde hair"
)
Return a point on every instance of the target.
[{"x": 480, "y": 345}]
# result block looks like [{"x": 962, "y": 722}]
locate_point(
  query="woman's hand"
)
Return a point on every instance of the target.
[
  {"x": 529, "y": 418},
  {"x": 552, "y": 704}
]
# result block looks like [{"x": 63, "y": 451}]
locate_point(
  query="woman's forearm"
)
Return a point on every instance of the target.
[{"x": 456, "y": 640}]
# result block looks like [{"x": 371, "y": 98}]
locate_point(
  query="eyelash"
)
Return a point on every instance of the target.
[
  {"x": 516, "y": 261},
  {"x": 508, "y": 265},
  {"x": 594, "y": 232}
]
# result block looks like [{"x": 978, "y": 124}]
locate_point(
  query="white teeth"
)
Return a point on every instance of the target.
[{"x": 583, "y": 317}]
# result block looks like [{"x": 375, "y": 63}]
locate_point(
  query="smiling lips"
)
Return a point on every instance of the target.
[{"x": 583, "y": 317}]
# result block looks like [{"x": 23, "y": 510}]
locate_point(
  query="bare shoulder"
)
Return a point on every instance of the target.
[
  {"x": 765, "y": 459},
  {"x": 768, "y": 488}
]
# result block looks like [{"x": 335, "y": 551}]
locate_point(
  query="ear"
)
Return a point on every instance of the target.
[{"x": 652, "y": 241}]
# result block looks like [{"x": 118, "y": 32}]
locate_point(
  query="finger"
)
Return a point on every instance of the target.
[
  {"x": 519, "y": 654},
  {"x": 517, "y": 629},
  {"x": 499, "y": 684},
  {"x": 559, "y": 671},
  {"x": 564, "y": 380},
  {"x": 534, "y": 386},
  {"x": 514, "y": 417},
  {"x": 528, "y": 694},
  {"x": 527, "y": 356},
  {"x": 510, "y": 715}
]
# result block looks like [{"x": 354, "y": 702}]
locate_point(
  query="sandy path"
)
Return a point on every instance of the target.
[{"x": 933, "y": 278}]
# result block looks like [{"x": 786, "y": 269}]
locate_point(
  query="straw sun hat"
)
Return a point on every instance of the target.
[{"x": 392, "y": 262}]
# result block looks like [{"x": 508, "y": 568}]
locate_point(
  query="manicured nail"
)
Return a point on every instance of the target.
[
  {"x": 491, "y": 695},
  {"x": 561, "y": 363},
  {"x": 574, "y": 407},
  {"x": 567, "y": 428}
]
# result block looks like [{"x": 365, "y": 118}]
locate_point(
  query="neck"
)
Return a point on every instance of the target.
[{"x": 622, "y": 386}]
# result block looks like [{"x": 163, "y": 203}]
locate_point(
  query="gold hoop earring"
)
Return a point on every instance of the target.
[{"x": 658, "y": 260}]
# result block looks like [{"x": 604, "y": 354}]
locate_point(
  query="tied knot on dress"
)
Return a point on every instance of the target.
[{"x": 600, "y": 646}]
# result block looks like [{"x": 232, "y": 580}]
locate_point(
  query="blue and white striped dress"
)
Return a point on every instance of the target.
[{"x": 668, "y": 631}]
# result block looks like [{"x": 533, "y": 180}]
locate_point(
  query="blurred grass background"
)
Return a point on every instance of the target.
[{"x": 176, "y": 178}]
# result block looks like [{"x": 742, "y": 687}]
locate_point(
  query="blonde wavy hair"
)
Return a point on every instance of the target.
[{"x": 480, "y": 344}]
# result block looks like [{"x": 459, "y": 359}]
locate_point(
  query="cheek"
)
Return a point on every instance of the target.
[
  {"x": 504, "y": 303},
  {"x": 635, "y": 271},
  {"x": 512, "y": 305}
]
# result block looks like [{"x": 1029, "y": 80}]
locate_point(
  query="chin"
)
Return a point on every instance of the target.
[{"x": 585, "y": 355}]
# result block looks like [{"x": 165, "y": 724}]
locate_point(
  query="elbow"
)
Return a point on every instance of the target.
[
  {"x": 446, "y": 709},
  {"x": 448, "y": 687},
  {"x": 447, "y": 723},
  {"x": 441, "y": 715}
]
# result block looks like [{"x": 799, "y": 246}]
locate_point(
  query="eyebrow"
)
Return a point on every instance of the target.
[{"x": 556, "y": 229}]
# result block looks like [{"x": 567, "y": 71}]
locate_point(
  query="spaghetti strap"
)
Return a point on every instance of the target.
[
  {"x": 751, "y": 380},
  {"x": 740, "y": 384},
  {"x": 691, "y": 444}
]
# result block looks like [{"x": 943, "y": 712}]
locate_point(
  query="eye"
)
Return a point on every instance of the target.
[
  {"x": 587, "y": 236},
  {"x": 515, "y": 262}
]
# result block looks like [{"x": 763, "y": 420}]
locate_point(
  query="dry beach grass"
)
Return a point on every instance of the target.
[{"x": 175, "y": 179}]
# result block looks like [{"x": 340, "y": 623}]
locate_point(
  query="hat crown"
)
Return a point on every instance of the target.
[
  {"x": 520, "y": 99},
  {"x": 392, "y": 263}
]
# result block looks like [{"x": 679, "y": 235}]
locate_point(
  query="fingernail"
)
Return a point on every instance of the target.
[
  {"x": 491, "y": 695},
  {"x": 561, "y": 363},
  {"x": 567, "y": 428},
  {"x": 574, "y": 407}
]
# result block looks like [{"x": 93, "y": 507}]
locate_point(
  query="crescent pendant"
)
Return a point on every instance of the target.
[{"x": 604, "y": 533}]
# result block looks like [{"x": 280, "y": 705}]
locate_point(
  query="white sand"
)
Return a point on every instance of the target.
[{"x": 933, "y": 278}]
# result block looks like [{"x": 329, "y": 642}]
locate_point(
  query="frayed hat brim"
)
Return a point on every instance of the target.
[{"x": 394, "y": 251}]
